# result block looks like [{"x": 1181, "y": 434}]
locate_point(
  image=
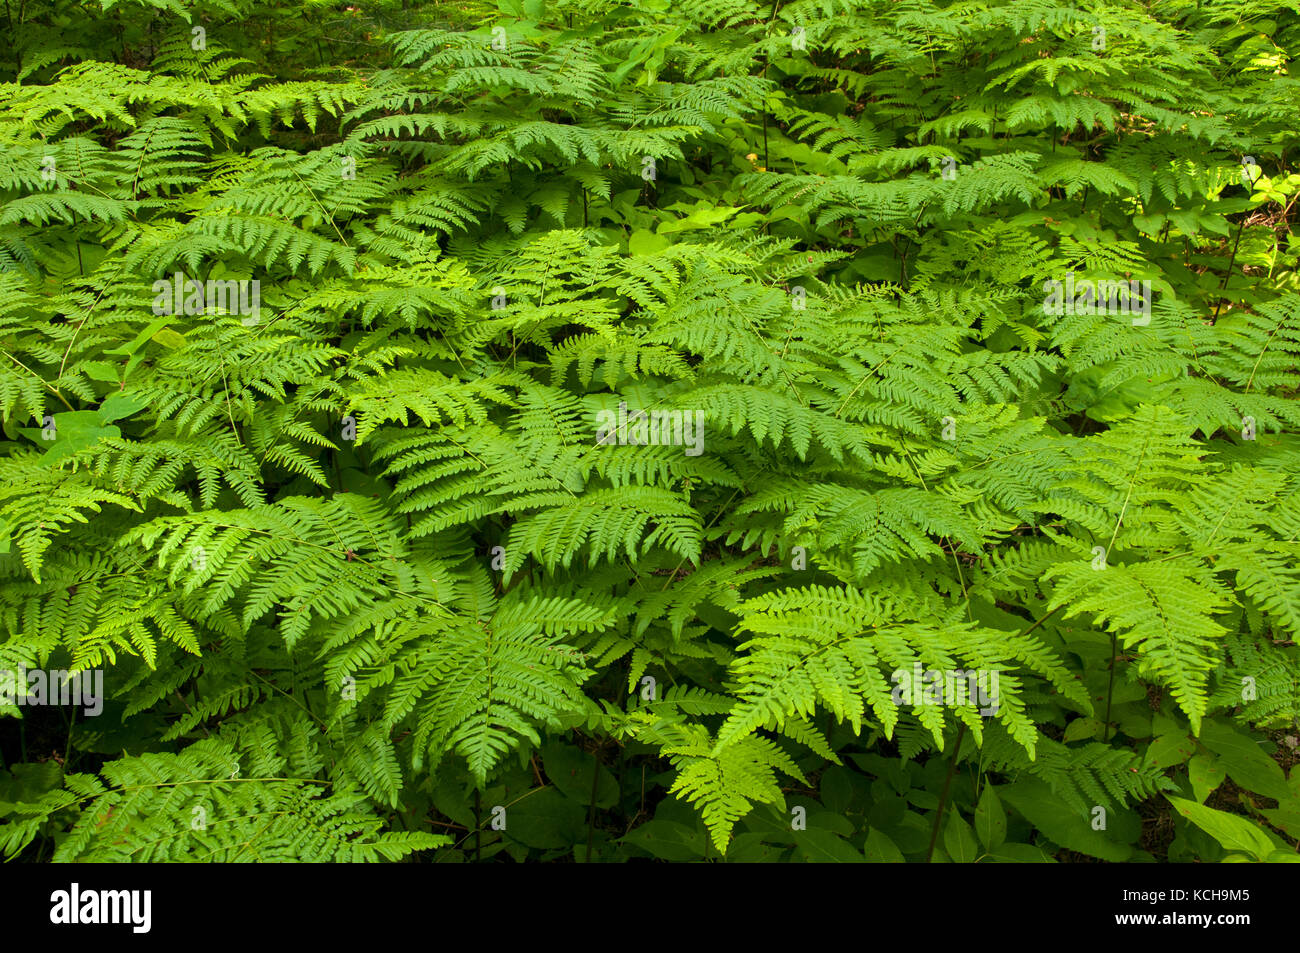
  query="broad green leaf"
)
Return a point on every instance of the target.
[
  {"x": 668, "y": 840},
  {"x": 1081, "y": 728},
  {"x": 1069, "y": 828},
  {"x": 1234, "y": 832},
  {"x": 1206, "y": 773},
  {"x": 1021, "y": 854},
  {"x": 705, "y": 217},
  {"x": 1244, "y": 760},
  {"x": 819, "y": 846},
  {"x": 169, "y": 338},
  {"x": 570, "y": 769},
  {"x": 1168, "y": 750},
  {"x": 545, "y": 818},
  {"x": 836, "y": 789},
  {"x": 643, "y": 242}
]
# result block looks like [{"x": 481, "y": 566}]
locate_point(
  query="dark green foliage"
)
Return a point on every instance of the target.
[{"x": 371, "y": 572}]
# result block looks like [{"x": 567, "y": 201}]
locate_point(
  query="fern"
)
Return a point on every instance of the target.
[{"x": 373, "y": 563}]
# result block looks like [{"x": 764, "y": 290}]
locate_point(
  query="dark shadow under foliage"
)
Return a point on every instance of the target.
[{"x": 967, "y": 337}]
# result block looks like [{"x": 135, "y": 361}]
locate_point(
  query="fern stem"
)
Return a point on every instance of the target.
[
  {"x": 943, "y": 798},
  {"x": 1128, "y": 495},
  {"x": 776, "y": 5},
  {"x": 1025, "y": 632},
  {"x": 478, "y": 826},
  {"x": 1232, "y": 259},
  {"x": 591, "y": 809},
  {"x": 1110, "y": 688},
  {"x": 52, "y": 388},
  {"x": 67, "y": 749}
]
